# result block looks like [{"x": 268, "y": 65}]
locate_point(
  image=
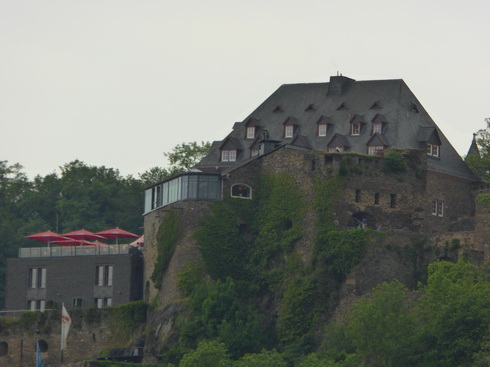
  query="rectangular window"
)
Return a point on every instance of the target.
[
  {"x": 358, "y": 196},
  {"x": 433, "y": 150},
  {"x": 392, "y": 200},
  {"x": 254, "y": 152},
  {"x": 438, "y": 208},
  {"x": 103, "y": 275},
  {"x": 376, "y": 198},
  {"x": 288, "y": 131},
  {"x": 322, "y": 130},
  {"x": 375, "y": 149},
  {"x": 36, "y": 305},
  {"x": 355, "y": 129},
  {"x": 103, "y": 302},
  {"x": 37, "y": 278},
  {"x": 228, "y": 155},
  {"x": 251, "y": 132},
  {"x": 77, "y": 302},
  {"x": 377, "y": 127}
]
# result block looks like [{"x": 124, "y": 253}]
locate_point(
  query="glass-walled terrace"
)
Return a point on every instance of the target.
[{"x": 187, "y": 186}]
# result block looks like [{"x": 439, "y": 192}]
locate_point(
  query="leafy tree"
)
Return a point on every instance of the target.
[
  {"x": 207, "y": 354},
  {"x": 480, "y": 163},
  {"x": 454, "y": 315},
  {"x": 184, "y": 156},
  {"x": 382, "y": 327},
  {"x": 266, "y": 358}
]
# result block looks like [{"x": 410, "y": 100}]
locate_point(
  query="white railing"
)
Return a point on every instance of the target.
[{"x": 55, "y": 251}]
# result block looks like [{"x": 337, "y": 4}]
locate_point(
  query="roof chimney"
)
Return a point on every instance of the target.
[{"x": 338, "y": 85}]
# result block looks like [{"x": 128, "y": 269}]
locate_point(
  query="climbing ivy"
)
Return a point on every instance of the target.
[{"x": 168, "y": 234}]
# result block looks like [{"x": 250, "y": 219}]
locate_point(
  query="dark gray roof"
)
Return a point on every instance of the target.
[{"x": 405, "y": 122}]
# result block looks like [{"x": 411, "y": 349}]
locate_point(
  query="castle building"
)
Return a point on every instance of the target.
[{"x": 334, "y": 120}]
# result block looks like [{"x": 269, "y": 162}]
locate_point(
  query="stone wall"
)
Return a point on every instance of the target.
[{"x": 87, "y": 339}]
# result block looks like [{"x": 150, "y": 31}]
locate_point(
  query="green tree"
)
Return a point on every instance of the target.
[
  {"x": 184, "y": 156},
  {"x": 480, "y": 163},
  {"x": 381, "y": 327},
  {"x": 454, "y": 315},
  {"x": 266, "y": 358},
  {"x": 207, "y": 354}
]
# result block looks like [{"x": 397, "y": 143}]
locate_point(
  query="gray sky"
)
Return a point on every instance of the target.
[{"x": 118, "y": 83}]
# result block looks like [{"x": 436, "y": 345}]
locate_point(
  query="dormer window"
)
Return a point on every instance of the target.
[
  {"x": 290, "y": 126},
  {"x": 377, "y": 128},
  {"x": 323, "y": 126},
  {"x": 375, "y": 149},
  {"x": 376, "y": 145},
  {"x": 322, "y": 130},
  {"x": 337, "y": 144},
  {"x": 355, "y": 129},
  {"x": 228, "y": 155},
  {"x": 433, "y": 150},
  {"x": 252, "y": 126},
  {"x": 355, "y": 125},
  {"x": 254, "y": 152},
  {"x": 251, "y": 132}
]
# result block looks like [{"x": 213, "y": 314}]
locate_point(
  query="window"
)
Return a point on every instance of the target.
[
  {"x": 103, "y": 275},
  {"x": 433, "y": 150},
  {"x": 288, "y": 131},
  {"x": 228, "y": 155},
  {"x": 375, "y": 149},
  {"x": 250, "y": 132},
  {"x": 392, "y": 200},
  {"x": 438, "y": 208},
  {"x": 241, "y": 191},
  {"x": 322, "y": 130},
  {"x": 37, "y": 278},
  {"x": 358, "y": 196},
  {"x": 335, "y": 149},
  {"x": 377, "y": 128},
  {"x": 103, "y": 302},
  {"x": 36, "y": 305},
  {"x": 376, "y": 198},
  {"x": 254, "y": 152},
  {"x": 77, "y": 302},
  {"x": 355, "y": 129}
]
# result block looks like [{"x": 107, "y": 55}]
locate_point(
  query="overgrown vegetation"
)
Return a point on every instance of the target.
[
  {"x": 247, "y": 251},
  {"x": 394, "y": 162},
  {"x": 168, "y": 234},
  {"x": 124, "y": 320}
]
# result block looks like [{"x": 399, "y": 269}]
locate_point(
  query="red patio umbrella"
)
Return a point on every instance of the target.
[
  {"x": 47, "y": 236},
  {"x": 83, "y": 234},
  {"x": 117, "y": 233}
]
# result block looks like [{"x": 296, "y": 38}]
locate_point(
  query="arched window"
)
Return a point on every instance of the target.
[
  {"x": 241, "y": 191},
  {"x": 43, "y": 346}
]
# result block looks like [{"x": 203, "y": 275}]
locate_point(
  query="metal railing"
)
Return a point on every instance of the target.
[{"x": 58, "y": 251}]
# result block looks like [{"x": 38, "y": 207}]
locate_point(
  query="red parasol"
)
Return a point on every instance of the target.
[
  {"x": 47, "y": 236},
  {"x": 83, "y": 234},
  {"x": 117, "y": 233}
]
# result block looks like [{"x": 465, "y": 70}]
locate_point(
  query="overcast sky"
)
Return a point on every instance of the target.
[{"x": 117, "y": 83}]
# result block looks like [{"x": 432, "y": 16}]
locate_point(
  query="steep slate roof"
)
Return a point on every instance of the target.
[{"x": 406, "y": 123}]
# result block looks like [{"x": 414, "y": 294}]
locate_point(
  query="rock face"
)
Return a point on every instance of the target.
[{"x": 401, "y": 203}]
